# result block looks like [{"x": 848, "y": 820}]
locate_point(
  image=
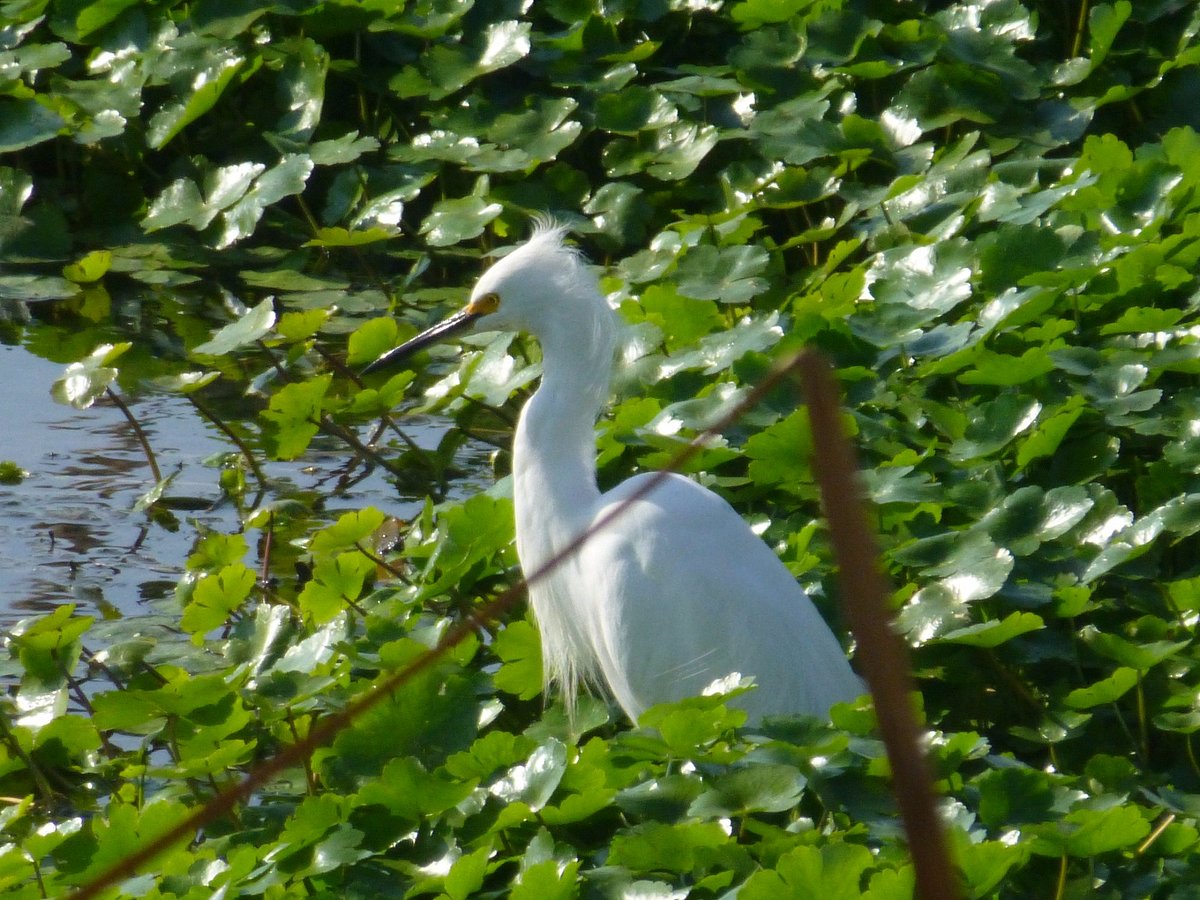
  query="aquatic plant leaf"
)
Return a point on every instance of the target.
[
  {"x": 251, "y": 327},
  {"x": 215, "y": 596},
  {"x": 294, "y": 416},
  {"x": 520, "y": 652},
  {"x": 85, "y": 381},
  {"x": 1106, "y": 690}
]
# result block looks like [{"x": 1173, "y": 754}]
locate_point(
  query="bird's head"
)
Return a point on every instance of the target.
[{"x": 532, "y": 289}]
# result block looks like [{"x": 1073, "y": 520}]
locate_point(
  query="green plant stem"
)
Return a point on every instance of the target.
[
  {"x": 37, "y": 874},
  {"x": 1154, "y": 835},
  {"x": 39, "y": 777},
  {"x": 1080, "y": 28},
  {"x": 1143, "y": 730},
  {"x": 330, "y": 427},
  {"x": 387, "y": 420},
  {"x": 382, "y": 563},
  {"x": 137, "y": 430},
  {"x": 247, "y": 454},
  {"x": 1191, "y": 754},
  {"x": 93, "y": 660},
  {"x": 310, "y": 778}
]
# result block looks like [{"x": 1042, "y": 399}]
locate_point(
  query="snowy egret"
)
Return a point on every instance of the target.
[{"x": 676, "y": 593}]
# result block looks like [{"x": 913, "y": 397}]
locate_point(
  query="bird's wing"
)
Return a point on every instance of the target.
[{"x": 686, "y": 593}]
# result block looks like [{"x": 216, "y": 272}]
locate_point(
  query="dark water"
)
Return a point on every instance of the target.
[{"x": 70, "y": 533}]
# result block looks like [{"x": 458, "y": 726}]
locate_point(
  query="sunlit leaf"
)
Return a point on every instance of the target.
[
  {"x": 520, "y": 650},
  {"x": 251, "y": 327},
  {"x": 453, "y": 221},
  {"x": 216, "y": 596},
  {"x": 294, "y": 414},
  {"x": 208, "y": 84},
  {"x": 831, "y": 871},
  {"x": 86, "y": 381}
]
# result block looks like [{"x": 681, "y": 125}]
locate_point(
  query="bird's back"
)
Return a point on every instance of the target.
[{"x": 687, "y": 593}]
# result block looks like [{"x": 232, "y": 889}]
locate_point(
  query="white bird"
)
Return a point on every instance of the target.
[{"x": 678, "y": 591}]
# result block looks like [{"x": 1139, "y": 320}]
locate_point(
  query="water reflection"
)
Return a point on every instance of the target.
[{"x": 69, "y": 532}]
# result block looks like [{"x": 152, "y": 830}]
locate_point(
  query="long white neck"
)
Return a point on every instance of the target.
[{"x": 554, "y": 448}]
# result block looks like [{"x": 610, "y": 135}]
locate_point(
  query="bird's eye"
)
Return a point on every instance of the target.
[{"x": 481, "y": 306}]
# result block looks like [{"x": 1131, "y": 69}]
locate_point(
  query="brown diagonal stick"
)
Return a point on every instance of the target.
[
  {"x": 328, "y": 727},
  {"x": 881, "y": 654}
]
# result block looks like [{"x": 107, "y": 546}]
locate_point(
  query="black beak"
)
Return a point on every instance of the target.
[{"x": 460, "y": 321}]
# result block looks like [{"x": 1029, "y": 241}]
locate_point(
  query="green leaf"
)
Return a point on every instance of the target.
[
  {"x": 454, "y": 221},
  {"x": 350, "y": 529},
  {"x": 303, "y": 83},
  {"x": 1107, "y": 690},
  {"x": 11, "y": 473},
  {"x": 831, "y": 872},
  {"x": 493, "y": 751},
  {"x": 1104, "y": 22},
  {"x": 26, "y": 123},
  {"x": 1014, "y": 796},
  {"x": 682, "y": 320},
  {"x": 50, "y": 647},
  {"x": 779, "y": 454},
  {"x": 674, "y": 153},
  {"x": 547, "y": 880},
  {"x": 1141, "y": 657},
  {"x": 634, "y": 109},
  {"x": 534, "y": 782},
  {"x": 1142, "y": 319},
  {"x": 405, "y": 789},
  {"x": 993, "y": 425},
  {"x": 661, "y": 847},
  {"x": 500, "y": 44},
  {"x": 985, "y": 864},
  {"x": 754, "y": 788},
  {"x": 994, "y": 632},
  {"x": 725, "y": 274},
  {"x": 341, "y": 237},
  {"x": 84, "y": 382},
  {"x": 1048, "y": 435},
  {"x": 179, "y": 202},
  {"x": 294, "y": 416},
  {"x": 520, "y": 651},
  {"x": 472, "y": 533},
  {"x": 78, "y": 19},
  {"x": 371, "y": 340},
  {"x": 283, "y": 180},
  {"x": 336, "y": 582},
  {"x": 215, "y": 597},
  {"x": 892, "y": 884},
  {"x": 751, "y": 14},
  {"x": 216, "y": 550},
  {"x": 89, "y": 268},
  {"x": 209, "y": 81},
  {"x": 250, "y": 328},
  {"x": 1012, "y": 252},
  {"x": 1087, "y": 833},
  {"x": 300, "y": 326},
  {"x": 1006, "y": 371},
  {"x": 466, "y": 876}
]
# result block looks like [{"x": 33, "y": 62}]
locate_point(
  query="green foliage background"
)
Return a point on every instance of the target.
[{"x": 987, "y": 213}]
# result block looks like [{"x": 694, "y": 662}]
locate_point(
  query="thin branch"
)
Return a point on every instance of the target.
[{"x": 881, "y": 653}]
